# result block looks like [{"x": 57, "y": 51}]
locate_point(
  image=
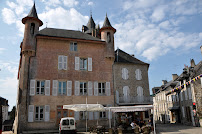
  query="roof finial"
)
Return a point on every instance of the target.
[
  {"x": 90, "y": 12},
  {"x": 46, "y": 24},
  {"x": 106, "y": 14}
]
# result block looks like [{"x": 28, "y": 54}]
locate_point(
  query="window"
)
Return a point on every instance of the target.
[
  {"x": 32, "y": 28},
  {"x": 101, "y": 88},
  {"x": 83, "y": 64},
  {"x": 62, "y": 62},
  {"x": 39, "y": 113},
  {"x": 61, "y": 113},
  {"x": 62, "y": 88},
  {"x": 146, "y": 114},
  {"x": 40, "y": 87},
  {"x": 108, "y": 37},
  {"x": 73, "y": 46},
  {"x": 102, "y": 114},
  {"x": 125, "y": 73},
  {"x": 83, "y": 88},
  {"x": 83, "y": 115}
]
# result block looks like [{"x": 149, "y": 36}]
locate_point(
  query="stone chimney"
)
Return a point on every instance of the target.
[
  {"x": 192, "y": 63},
  {"x": 164, "y": 82},
  {"x": 201, "y": 48},
  {"x": 174, "y": 76}
]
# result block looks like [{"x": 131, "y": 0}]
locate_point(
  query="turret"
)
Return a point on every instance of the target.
[
  {"x": 32, "y": 24},
  {"x": 107, "y": 34}
]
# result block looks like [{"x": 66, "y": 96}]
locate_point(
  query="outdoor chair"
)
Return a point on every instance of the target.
[
  {"x": 137, "y": 130},
  {"x": 145, "y": 130}
]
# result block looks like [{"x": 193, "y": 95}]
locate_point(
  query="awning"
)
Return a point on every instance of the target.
[
  {"x": 173, "y": 108},
  {"x": 130, "y": 108},
  {"x": 85, "y": 107}
]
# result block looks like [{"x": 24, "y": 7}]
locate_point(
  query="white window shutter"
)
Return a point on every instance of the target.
[
  {"x": 32, "y": 87},
  {"x": 108, "y": 91},
  {"x": 123, "y": 75},
  {"x": 69, "y": 88},
  {"x": 190, "y": 95},
  {"x": 77, "y": 86},
  {"x": 201, "y": 82},
  {"x": 47, "y": 113},
  {"x": 65, "y": 62},
  {"x": 76, "y": 115},
  {"x": 138, "y": 74},
  {"x": 185, "y": 94},
  {"x": 60, "y": 62},
  {"x": 183, "y": 113},
  {"x": 76, "y": 63},
  {"x": 55, "y": 88},
  {"x": 181, "y": 97},
  {"x": 47, "y": 87},
  {"x": 90, "y": 68},
  {"x": 90, "y": 115},
  {"x": 31, "y": 113},
  {"x": 127, "y": 76},
  {"x": 96, "y": 88},
  {"x": 96, "y": 115},
  {"x": 140, "y": 94},
  {"x": 117, "y": 97},
  {"x": 90, "y": 88}
]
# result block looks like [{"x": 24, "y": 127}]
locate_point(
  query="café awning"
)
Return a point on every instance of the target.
[
  {"x": 130, "y": 108},
  {"x": 85, "y": 107}
]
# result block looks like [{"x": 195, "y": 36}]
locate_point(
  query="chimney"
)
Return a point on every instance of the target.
[
  {"x": 174, "y": 76},
  {"x": 132, "y": 55},
  {"x": 164, "y": 82},
  {"x": 192, "y": 63}
]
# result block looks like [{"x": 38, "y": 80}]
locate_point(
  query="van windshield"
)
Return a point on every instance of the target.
[
  {"x": 71, "y": 122},
  {"x": 65, "y": 122}
]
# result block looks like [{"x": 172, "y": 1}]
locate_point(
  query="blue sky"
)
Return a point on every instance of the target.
[{"x": 164, "y": 33}]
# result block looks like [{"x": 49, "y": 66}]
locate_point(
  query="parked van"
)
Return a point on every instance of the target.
[{"x": 67, "y": 125}]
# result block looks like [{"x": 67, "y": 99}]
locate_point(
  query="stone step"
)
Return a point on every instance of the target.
[{"x": 41, "y": 132}]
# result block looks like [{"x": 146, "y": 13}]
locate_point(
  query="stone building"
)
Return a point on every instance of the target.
[
  {"x": 59, "y": 67},
  {"x": 131, "y": 82},
  {"x": 4, "y": 109}
]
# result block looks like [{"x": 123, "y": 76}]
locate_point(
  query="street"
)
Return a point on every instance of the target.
[{"x": 177, "y": 129}]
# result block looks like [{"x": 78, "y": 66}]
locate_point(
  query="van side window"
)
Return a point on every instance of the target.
[
  {"x": 65, "y": 122},
  {"x": 71, "y": 122}
]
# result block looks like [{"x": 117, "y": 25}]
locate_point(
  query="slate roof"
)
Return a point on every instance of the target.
[
  {"x": 33, "y": 12},
  {"x": 123, "y": 57},
  {"x": 106, "y": 23},
  {"x": 91, "y": 23},
  {"x": 52, "y": 32}
]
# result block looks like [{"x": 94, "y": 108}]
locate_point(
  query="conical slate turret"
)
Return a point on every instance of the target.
[{"x": 107, "y": 25}]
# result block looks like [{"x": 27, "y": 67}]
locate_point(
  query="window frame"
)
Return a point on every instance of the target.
[
  {"x": 73, "y": 45},
  {"x": 38, "y": 113},
  {"x": 40, "y": 87},
  {"x": 83, "y": 115},
  {"x": 83, "y": 88},
  {"x": 82, "y": 65},
  {"x": 101, "y": 88},
  {"x": 62, "y": 88}
]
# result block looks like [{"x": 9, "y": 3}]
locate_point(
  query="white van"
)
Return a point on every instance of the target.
[{"x": 67, "y": 125}]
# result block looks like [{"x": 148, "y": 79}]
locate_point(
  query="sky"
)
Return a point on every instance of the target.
[{"x": 167, "y": 34}]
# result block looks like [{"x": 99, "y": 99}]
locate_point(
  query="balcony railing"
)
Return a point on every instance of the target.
[{"x": 135, "y": 99}]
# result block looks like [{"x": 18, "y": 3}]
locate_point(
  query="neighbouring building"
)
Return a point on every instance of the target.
[
  {"x": 59, "y": 67},
  {"x": 180, "y": 99},
  {"x": 4, "y": 108},
  {"x": 131, "y": 84}
]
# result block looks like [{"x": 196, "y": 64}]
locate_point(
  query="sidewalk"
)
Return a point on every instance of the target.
[{"x": 177, "y": 129}]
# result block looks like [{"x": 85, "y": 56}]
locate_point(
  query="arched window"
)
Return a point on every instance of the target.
[
  {"x": 125, "y": 75},
  {"x": 138, "y": 74},
  {"x": 140, "y": 94},
  {"x": 108, "y": 37},
  {"x": 126, "y": 94},
  {"x": 32, "y": 28}
]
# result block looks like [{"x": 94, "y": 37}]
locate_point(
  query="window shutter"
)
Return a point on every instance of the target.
[
  {"x": 140, "y": 94},
  {"x": 190, "y": 95},
  {"x": 96, "y": 88},
  {"x": 90, "y": 64},
  {"x": 96, "y": 115},
  {"x": 138, "y": 74},
  {"x": 76, "y": 63},
  {"x": 60, "y": 61},
  {"x": 181, "y": 97},
  {"x": 117, "y": 97},
  {"x": 47, "y": 112},
  {"x": 32, "y": 87},
  {"x": 127, "y": 76},
  {"x": 69, "y": 88},
  {"x": 90, "y": 88},
  {"x": 183, "y": 113},
  {"x": 31, "y": 113},
  {"x": 77, "y": 86},
  {"x": 185, "y": 93},
  {"x": 55, "y": 88},
  {"x": 76, "y": 115},
  {"x": 47, "y": 87},
  {"x": 123, "y": 75},
  {"x": 65, "y": 62},
  {"x": 108, "y": 91},
  {"x": 109, "y": 112},
  {"x": 90, "y": 115},
  {"x": 201, "y": 82}
]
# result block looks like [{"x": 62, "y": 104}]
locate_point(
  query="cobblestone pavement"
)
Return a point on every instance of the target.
[{"x": 177, "y": 129}]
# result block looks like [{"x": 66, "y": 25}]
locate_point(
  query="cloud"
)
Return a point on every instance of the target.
[
  {"x": 70, "y": 3},
  {"x": 90, "y": 3},
  {"x": 62, "y": 18},
  {"x": 2, "y": 49},
  {"x": 8, "y": 16},
  {"x": 51, "y": 2},
  {"x": 158, "y": 14}
]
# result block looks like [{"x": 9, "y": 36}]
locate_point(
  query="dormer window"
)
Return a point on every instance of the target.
[{"x": 32, "y": 28}]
